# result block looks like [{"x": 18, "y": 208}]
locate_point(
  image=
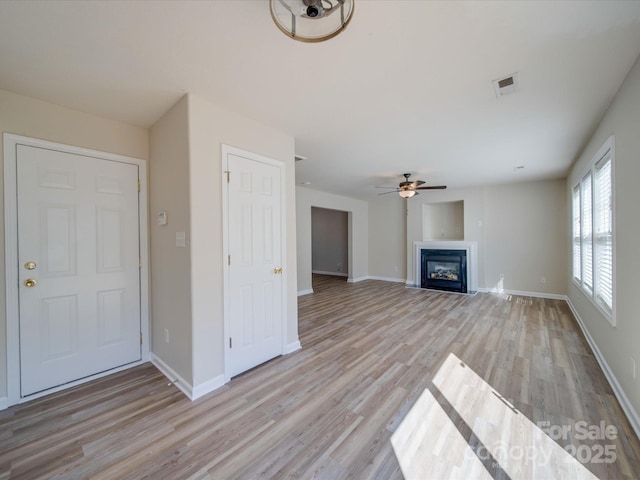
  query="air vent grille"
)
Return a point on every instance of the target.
[
  {"x": 506, "y": 85},
  {"x": 505, "y": 82}
]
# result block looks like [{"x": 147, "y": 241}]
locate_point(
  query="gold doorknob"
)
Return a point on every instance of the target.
[
  {"x": 277, "y": 271},
  {"x": 30, "y": 282},
  {"x": 30, "y": 265}
]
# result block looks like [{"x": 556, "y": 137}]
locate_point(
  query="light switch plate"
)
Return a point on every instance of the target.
[{"x": 180, "y": 239}]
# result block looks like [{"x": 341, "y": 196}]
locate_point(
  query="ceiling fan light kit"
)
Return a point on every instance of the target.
[
  {"x": 407, "y": 193},
  {"x": 311, "y": 21}
]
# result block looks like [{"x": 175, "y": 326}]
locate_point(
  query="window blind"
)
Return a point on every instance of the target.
[
  {"x": 576, "y": 234},
  {"x": 586, "y": 246},
  {"x": 603, "y": 229}
]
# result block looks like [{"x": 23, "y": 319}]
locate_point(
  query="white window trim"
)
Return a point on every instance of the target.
[{"x": 606, "y": 149}]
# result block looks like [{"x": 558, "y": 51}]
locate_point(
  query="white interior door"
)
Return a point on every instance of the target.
[
  {"x": 78, "y": 260},
  {"x": 255, "y": 265}
]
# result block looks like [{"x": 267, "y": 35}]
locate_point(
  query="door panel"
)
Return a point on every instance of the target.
[
  {"x": 255, "y": 284},
  {"x": 78, "y": 222}
]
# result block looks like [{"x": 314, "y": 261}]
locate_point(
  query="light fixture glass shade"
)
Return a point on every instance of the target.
[
  {"x": 407, "y": 193},
  {"x": 311, "y": 20}
]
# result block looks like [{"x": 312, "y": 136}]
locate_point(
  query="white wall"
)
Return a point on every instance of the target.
[
  {"x": 388, "y": 238},
  {"x": 329, "y": 241},
  {"x": 33, "y": 118},
  {"x": 358, "y": 233},
  {"x": 618, "y": 344}
]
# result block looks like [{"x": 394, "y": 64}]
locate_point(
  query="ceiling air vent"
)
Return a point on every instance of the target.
[{"x": 506, "y": 85}]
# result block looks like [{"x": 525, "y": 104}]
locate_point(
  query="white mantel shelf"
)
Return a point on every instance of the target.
[{"x": 471, "y": 249}]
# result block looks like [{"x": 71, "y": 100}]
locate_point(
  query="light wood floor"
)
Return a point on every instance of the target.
[{"x": 438, "y": 372}]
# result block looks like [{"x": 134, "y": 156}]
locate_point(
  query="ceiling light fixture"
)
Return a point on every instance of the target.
[
  {"x": 311, "y": 20},
  {"x": 407, "y": 193}
]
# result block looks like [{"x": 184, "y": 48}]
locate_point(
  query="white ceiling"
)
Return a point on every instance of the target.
[{"x": 405, "y": 88}]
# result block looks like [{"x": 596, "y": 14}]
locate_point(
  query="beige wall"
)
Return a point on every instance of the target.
[
  {"x": 188, "y": 142},
  {"x": 358, "y": 232},
  {"x": 520, "y": 230},
  {"x": 170, "y": 265},
  {"x": 618, "y": 344},
  {"x": 34, "y": 118},
  {"x": 525, "y": 236},
  {"x": 473, "y": 199},
  {"x": 443, "y": 221},
  {"x": 388, "y": 238},
  {"x": 329, "y": 241},
  {"x": 209, "y": 128}
]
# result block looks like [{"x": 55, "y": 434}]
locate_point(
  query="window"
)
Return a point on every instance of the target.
[{"x": 592, "y": 231}]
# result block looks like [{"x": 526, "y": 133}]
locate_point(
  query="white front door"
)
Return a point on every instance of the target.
[
  {"x": 78, "y": 261},
  {"x": 255, "y": 323}
]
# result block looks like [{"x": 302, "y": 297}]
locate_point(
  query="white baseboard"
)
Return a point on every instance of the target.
[
  {"x": 333, "y": 274},
  {"x": 305, "y": 292},
  {"x": 356, "y": 280},
  {"x": 4, "y": 403},
  {"x": 626, "y": 405},
  {"x": 292, "y": 347},
  {"x": 551, "y": 296},
  {"x": 207, "y": 387},
  {"x": 184, "y": 386},
  {"x": 386, "y": 279}
]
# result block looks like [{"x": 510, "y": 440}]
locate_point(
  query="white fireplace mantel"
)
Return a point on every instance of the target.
[{"x": 471, "y": 249}]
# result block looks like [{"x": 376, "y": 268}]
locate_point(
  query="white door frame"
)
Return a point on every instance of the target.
[
  {"x": 226, "y": 150},
  {"x": 11, "y": 143}
]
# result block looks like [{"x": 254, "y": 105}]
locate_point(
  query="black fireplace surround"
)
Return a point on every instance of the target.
[{"x": 444, "y": 270}]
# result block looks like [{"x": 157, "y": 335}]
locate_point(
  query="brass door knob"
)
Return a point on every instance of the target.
[
  {"x": 277, "y": 271},
  {"x": 30, "y": 265},
  {"x": 30, "y": 282}
]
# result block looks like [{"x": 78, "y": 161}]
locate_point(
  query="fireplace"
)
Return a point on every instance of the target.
[
  {"x": 466, "y": 248},
  {"x": 444, "y": 269}
]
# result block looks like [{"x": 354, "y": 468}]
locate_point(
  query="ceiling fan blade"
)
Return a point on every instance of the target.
[
  {"x": 387, "y": 193},
  {"x": 377, "y": 186},
  {"x": 417, "y": 183},
  {"x": 434, "y": 187}
]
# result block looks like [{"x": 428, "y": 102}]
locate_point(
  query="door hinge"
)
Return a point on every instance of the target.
[
  {"x": 229, "y": 259},
  {"x": 230, "y": 343},
  {"x": 139, "y": 262},
  {"x": 228, "y": 175},
  {"x": 141, "y": 339}
]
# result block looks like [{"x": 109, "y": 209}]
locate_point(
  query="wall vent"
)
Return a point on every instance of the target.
[{"x": 506, "y": 85}]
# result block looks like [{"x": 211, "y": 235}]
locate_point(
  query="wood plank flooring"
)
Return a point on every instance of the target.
[{"x": 391, "y": 382}]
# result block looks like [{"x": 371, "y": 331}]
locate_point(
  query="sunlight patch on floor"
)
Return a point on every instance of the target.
[{"x": 431, "y": 441}]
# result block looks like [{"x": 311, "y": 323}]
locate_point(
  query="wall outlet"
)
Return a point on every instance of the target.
[
  {"x": 633, "y": 368},
  {"x": 543, "y": 279},
  {"x": 166, "y": 335}
]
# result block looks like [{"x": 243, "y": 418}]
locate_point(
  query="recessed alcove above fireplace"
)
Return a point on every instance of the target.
[{"x": 447, "y": 265}]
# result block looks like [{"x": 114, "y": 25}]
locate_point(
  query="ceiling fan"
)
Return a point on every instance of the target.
[{"x": 408, "y": 189}]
